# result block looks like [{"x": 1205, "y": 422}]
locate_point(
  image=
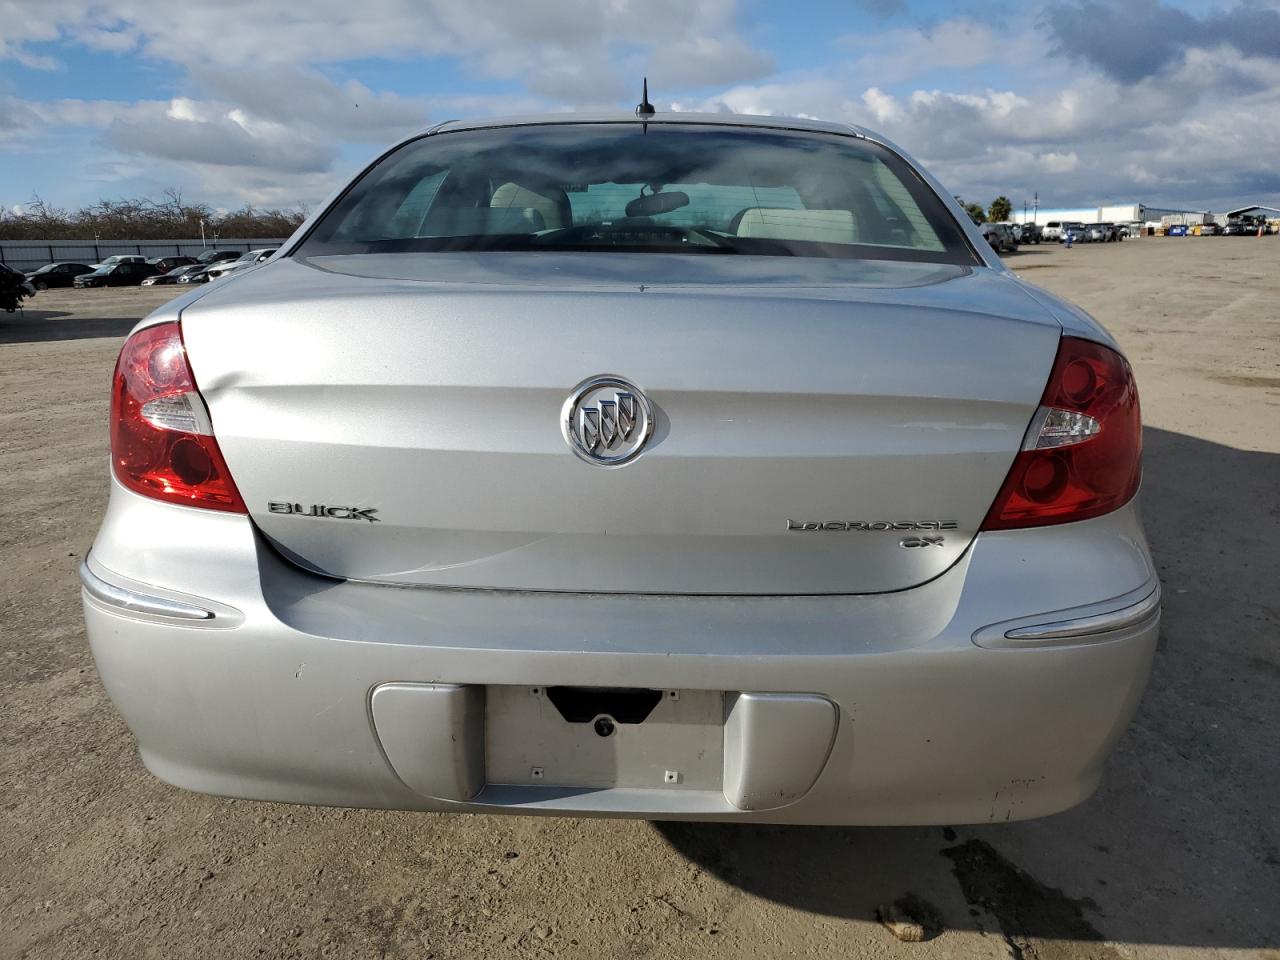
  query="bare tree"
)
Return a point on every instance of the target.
[{"x": 172, "y": 217}]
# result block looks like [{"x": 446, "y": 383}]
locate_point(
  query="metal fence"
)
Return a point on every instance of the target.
[{"x": 30, "y": 254}]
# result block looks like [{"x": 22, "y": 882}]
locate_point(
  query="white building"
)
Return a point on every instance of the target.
[
  {"x": 1257, "y": 212},
  {"x": 1058, "y": 215},
  {"x": 1110, "y": 213}
]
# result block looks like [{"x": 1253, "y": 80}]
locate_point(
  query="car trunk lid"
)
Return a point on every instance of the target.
[{"x": 820, "y": 426}]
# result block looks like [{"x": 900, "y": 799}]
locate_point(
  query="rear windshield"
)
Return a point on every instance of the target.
[{"x": 635, "y": 188}]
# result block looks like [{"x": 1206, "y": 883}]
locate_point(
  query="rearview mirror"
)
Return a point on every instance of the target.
[{"x": 656, "y": 203}]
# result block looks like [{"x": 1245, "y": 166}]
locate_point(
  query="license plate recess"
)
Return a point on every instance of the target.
[{"x": 678, "y": 745}]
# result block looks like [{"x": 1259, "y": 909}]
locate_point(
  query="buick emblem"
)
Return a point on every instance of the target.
[{"x": 607, "y": 421}]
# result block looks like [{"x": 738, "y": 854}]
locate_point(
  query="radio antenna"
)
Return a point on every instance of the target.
[{"x": 644, "y": 108}]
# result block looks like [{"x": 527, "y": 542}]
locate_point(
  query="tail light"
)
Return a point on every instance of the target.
[
  {"x": 162, "y": 442},
  {"x": 1082, "y": 456}
]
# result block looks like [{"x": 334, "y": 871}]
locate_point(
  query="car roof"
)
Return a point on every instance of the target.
[{"x": 676, "y": 118}]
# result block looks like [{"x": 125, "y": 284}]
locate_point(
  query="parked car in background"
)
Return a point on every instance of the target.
[
  {"x": 736, "y": 579},
  {"x": 1052, "y": 230},
  {"x": 208, "y": 257},
  {"x": 165, "y": 264},
  {"x": 1101, "y": 233},
  {"x": 1075, "y": 231},
  {"x": 53, "y": 275},
  {"x": 199, "y": 273},
  {"x": 219, "y": 270},
  {"x": 126, "y": 274},
  {"x": 1240, "y": 228},
  {"x": 120, "y": 258},
  {"x": 1210, "y": 229},
  {"x": 164, "y": 279},
  {"x": 999, "y": 236},
  {"x": 206, "y": 261},
  {"x": 1031, "y": 233}
]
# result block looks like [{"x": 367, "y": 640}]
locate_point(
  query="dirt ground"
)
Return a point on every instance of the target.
[{"x": 1177, "y": 856}]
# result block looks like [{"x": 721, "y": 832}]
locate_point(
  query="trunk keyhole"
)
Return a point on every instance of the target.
[{"x": 604, "y": 726}]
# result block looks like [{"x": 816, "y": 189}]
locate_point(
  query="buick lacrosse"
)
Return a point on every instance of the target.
[{"x": 669, "y": 466}]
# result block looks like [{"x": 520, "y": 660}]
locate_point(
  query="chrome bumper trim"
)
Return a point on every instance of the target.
[
  {"x": 115, "y": 596},
  {"x": 1087, "y": 626}
]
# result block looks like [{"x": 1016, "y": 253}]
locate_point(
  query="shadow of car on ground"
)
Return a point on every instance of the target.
[
  {"x": 34, "y": 326},
  {"x": 1181, "y": 845}
]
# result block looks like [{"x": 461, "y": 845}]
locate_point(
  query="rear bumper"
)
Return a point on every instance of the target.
[{"x": 274, "y": 694}]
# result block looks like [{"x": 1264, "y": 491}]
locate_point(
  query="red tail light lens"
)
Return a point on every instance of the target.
[
  {"x": 162, "y": 442},
  {"x": 1083, "y": 454}
]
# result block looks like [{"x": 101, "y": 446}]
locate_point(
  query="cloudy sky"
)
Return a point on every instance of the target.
[{"x": 276, "y": 103}]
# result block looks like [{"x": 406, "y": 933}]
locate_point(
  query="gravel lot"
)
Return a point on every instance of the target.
[{"x": 1178, "y": 855}]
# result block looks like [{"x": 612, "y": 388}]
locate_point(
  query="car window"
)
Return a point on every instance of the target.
[{"x": 617, "y": 187}]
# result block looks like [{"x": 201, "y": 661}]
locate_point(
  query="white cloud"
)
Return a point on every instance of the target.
[
  {"x": 267, "y": 110},
  {"x": 1137, "y": 39},
  {"x": 882, "y": 107},
  {"x": 706, "y": 61},
  {"x": 15, "y": 117},
  {"x": 1051, "y": 161},
  {"x": 892, "y": 56},
  {"x": 539, "y": 43},
  {"x": 258, "y": 95},
  {"x": 217, "y": 135},
  {"x": 308, "y": 99},
  {"x": 1203, "y": 134}
]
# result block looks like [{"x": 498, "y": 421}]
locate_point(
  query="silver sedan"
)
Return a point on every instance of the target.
[{"x": 671, "y": 466}]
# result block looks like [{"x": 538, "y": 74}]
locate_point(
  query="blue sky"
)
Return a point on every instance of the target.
[{"x": 277, "y": 103}]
